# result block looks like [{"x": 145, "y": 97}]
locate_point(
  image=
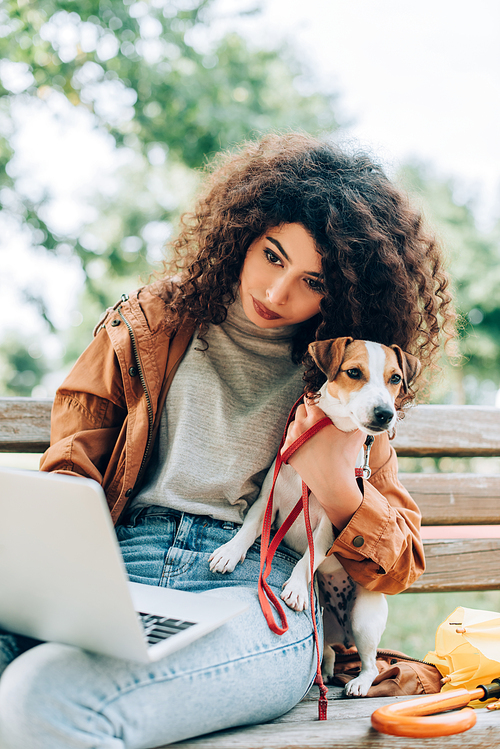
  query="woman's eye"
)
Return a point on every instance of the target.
[
  {"x": 354, "y": 374},
  {"x": 395, "y": 379},
  {"x": 271, "y": 257},
  {"x": 315, "y": 285}
]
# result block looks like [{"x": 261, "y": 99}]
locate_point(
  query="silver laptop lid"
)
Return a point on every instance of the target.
[{"x": 62, "y": 576}]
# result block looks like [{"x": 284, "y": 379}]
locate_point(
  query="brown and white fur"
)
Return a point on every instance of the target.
[{"x": 364, "y": 380}]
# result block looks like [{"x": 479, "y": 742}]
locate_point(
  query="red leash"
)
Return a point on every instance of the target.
[{"x": 266, "y": 595}]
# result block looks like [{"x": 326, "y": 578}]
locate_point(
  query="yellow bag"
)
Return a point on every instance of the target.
[{"x": 467, "y": 648}]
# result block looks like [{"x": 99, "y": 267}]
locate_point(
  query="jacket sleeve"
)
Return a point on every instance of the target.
[
  {"x": 88, "y": 414},
  {"x": 380, "y": 547}
]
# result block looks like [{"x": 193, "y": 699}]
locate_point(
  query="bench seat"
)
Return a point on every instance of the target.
[{"x": 348, "y": 727}]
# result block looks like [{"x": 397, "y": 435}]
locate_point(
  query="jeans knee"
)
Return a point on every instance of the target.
[
  {"x": 39, "y": 703},
  {"x": 26, "y": 697}
]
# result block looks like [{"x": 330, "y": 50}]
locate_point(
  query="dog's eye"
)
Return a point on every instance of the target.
[
  {"x": 354, "y": 374},
  {"x": 395, "y": 379}
]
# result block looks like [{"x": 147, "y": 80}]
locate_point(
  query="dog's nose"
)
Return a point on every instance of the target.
[{"x": 383, "y": 415}]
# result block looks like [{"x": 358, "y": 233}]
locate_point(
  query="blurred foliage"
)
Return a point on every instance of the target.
[
  {"x": 474, "y": 265},
  {"x": 22, "y": 366},
  {"x": 143, "y": 56},
  {"x": 168, "y": 94},
  {"x": 150, "y": 75},
  {"x": 416, "y": 635},
  {"x": 137, "y": 68}
]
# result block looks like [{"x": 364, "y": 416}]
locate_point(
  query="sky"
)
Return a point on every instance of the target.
[{"x": 415, "y": 80}]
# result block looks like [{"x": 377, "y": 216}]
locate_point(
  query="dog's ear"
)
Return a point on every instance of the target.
[
  {"x": 409, "y": 365},
  {"x": 329, "y": 355}
]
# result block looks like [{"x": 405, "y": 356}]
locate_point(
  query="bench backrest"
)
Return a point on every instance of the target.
[{"x": 445, "y": 499}]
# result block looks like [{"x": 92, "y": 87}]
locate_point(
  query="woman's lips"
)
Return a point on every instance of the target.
[{"x": 264, "y": 311}]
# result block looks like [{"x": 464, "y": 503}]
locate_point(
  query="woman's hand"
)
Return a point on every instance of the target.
[{"x": 326, "y": 463}]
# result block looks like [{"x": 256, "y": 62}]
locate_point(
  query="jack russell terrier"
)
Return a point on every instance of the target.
[{"x": 364, "y": 380}]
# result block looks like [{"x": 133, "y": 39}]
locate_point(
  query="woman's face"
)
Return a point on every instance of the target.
[{"x": 280, "y": 283}]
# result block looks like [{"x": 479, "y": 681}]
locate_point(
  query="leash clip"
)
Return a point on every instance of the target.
[{"x": 366, "y": 470}]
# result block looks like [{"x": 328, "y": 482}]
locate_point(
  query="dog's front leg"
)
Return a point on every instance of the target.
[
  {"x": 328, "y": 661},
  {"x": 368, "y": 620},
  {"x": 296, "y": 589},
  {"x": 227, "y": 556}
]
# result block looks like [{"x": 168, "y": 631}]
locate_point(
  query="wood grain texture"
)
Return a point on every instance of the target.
[
  {"x": 460, "y": 564},
  {"x": 455, "y": 498},
  {"x": 459, "y": 431},
  {"x": 24, "y": 425},
  {"x": 426, "y": 430},
  {"x": 348, "y": 726}
]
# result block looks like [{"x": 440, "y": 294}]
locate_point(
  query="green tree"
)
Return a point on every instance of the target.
[
  {"x": 474, "y": 267},
  {"x": 21, "y": 367},
  {"x": 148, "y": 75}
]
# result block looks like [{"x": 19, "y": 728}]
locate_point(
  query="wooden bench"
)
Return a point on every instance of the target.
[{"x": 453, "y": 564}]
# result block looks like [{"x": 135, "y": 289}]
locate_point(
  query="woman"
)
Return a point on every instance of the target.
[{"x": 177, "y": 408}]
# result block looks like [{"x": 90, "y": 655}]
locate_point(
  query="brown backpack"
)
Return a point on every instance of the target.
[{"x": 399, "y": 674}]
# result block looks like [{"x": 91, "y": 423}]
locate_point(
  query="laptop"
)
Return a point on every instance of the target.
[{"x": 62, "y": 576}]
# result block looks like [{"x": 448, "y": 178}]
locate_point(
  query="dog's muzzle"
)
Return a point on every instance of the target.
[
  {"x": 382, "y": 415},
  {"x": 381, "y": 419}
]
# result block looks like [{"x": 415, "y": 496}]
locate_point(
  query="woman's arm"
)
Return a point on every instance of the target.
[
  {"x": 378, "y": 531},
  {"x": 88, "y": 413},
  {"x": 326, "y": 463}
]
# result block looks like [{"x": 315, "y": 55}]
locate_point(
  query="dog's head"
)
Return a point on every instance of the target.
[{"x": 367, "y": 378}]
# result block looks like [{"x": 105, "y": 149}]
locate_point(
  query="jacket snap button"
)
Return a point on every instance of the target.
[
  {"x": 358, "y": 541},
  {"x": 132, "y": 371},
  {"x": 128, "y": 492},
  {"x": 115, "y": 323}
]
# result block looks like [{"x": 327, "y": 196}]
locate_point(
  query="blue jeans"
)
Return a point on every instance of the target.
[{"x": 59, "y": 697}]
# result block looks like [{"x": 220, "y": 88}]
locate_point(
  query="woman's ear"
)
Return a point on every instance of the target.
[
  {"x": 329, "y": 355},
  {"x": 409, "y": 365}
]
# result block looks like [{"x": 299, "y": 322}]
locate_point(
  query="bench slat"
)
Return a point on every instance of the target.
[
  {"x": 24, "y": 425},
  {"x": 455, "y": 498},
  {"x": 460, "y": 564},
  {"x": 458, "y": 431}
]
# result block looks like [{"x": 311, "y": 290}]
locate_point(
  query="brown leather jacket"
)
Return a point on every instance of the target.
[{"x": 107, "y": 410}]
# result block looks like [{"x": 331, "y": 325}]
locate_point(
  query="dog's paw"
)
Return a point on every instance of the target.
[
  {"x": 327, "y": 677},
  {"x": 328, "y": 664},
  {"x": 295, "y": 596},
  {"x": 359, "y": 686},
  {"x": 225, "y": 558}
]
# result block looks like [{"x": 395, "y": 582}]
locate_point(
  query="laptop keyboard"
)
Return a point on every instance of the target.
[{"x": 158, "y": 628}]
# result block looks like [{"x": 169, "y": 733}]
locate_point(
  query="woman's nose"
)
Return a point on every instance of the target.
[{"x": 278, "y": 292}]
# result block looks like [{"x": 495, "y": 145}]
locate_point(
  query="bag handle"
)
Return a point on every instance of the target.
[{"x": 406, "y": 718}]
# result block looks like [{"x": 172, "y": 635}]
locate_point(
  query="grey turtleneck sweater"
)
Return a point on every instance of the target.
[{"x": 223, "y": 419}]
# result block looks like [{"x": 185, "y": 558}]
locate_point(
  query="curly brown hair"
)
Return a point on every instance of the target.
[{"x": 382, "y": 271}]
